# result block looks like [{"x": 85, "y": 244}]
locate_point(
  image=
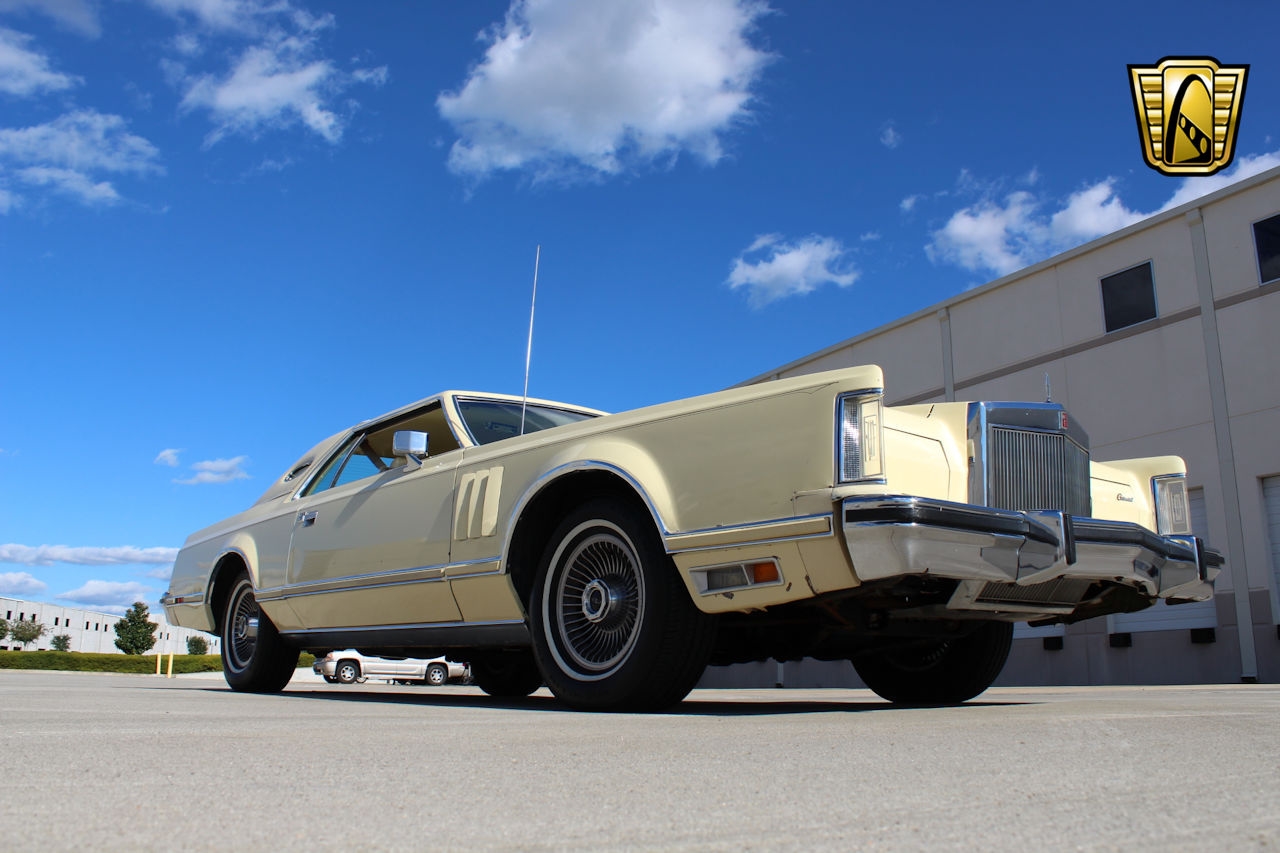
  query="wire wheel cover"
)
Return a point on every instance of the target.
[
  {"x": 244, "y": 628},
  {"x": 599, "y": 603}
]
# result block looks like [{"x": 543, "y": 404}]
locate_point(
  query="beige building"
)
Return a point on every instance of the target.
[
  {"x": 92, "y": 630},
  {"x": 1159, "y": 339}
]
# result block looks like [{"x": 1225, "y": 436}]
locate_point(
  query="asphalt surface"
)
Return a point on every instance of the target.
[{"x": 116, "y": 762}]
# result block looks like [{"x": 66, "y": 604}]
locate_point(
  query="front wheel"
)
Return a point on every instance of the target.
[
  {"x": 254, "y": 657},
  {"x": 614, "y": 628},
  {"x": 939, "y": 672},
  {"x": 347, "y": 671},
  {"x": 437, "y": 675}
]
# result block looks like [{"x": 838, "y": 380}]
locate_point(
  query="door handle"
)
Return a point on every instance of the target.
[{"x": 308, "y": 518}]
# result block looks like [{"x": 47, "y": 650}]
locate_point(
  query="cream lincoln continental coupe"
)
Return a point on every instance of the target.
[{"x": 613, "y": 557}]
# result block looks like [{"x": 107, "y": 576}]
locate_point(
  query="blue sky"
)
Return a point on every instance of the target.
[{"x": 229, "y": 228}]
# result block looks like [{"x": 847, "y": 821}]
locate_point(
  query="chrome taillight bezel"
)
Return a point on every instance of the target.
[
  {"x": 859, "y": 438},
  {"x": 1172, "y": 504}
]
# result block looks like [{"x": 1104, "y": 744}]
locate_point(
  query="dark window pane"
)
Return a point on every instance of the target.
[
  {"x": 1128, "y": 297},
  {"x": 1266, "y": 236}
]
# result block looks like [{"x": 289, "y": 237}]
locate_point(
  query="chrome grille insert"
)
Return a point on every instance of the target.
[
  {"x": 1037, "y": 470},
  {"x": 1028, "y": 456}
]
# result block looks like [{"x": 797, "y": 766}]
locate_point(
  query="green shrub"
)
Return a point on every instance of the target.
[
  {"x": 197, "y": 645},
  {"x": 95, "y": 662},
  {"x": 141, "y": 664}
]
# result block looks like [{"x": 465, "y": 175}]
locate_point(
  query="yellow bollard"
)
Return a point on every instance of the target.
[
  {"x": 158, "y": 656},
  {"x": 170, "y": 675}
]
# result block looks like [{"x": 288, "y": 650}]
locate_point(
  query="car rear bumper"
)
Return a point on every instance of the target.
[{"x": 899, "y": 535}]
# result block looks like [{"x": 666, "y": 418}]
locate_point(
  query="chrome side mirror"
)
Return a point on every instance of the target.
[{"x": 410, "y": 444}]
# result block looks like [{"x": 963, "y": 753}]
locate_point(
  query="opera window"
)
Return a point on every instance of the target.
[{"x": 1129, "y": 297}]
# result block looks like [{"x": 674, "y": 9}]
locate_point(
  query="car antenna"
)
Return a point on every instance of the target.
[{"x": 528, "y": 353}]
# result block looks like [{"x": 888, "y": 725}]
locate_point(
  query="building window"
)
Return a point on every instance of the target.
[
  {"x": 1266, "y": 239},
  {"x": 1129, "y": 297}
]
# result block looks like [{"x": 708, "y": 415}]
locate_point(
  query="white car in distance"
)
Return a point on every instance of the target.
[{"x": 349, "y": 667}]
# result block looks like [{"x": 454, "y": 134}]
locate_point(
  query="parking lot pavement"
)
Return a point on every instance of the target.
[{"x": 143, "y": 763}]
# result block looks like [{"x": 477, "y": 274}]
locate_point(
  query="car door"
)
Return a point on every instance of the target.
[{"x": 370, "y": 539}]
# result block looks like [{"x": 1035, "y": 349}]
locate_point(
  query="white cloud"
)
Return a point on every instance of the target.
[
  {"x": 24, "y": 72},
  {"x": 889, "y": 136},
  {"x": 1193, "y": 188},
  {"x": 1090, "y": 213},
  {"x": 21, "y": 584},
  {"x": 266, "y": 90},
  {"x": 64, "y": 154},
  {"x": 908, "y": 204},
  {"x": 47, "y": 555},
  {"x": 582, "y": 86},
  {"x": 168, "y": 456},
  {"x": 71, "y": 182},
  {"x": 1003, "y": 236},
  {"x": 79, "y": 16},
  {"x": 83, "y": 140},
  {"x": 217, "y": 471},
  {"x": 279, "y": 81},
  {"x": 374, "y": 76},
  {"x": 783, "y": 268},
  {"x": 111, "y": 596},
  {"x": 241, "y": 17},
  {"x": 988, "y": 235}
]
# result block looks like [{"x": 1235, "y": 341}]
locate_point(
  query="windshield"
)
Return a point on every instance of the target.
[{"x": 492, "y": 420}]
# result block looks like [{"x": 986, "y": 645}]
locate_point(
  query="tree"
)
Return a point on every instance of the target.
[
  {"x": 197, "y": 646},
  {"x": 24, "y": 631},
  {"x": 4, "y": 628},
  {"x": 61, "y": 643},
  {"x": 136, "y": 634}
]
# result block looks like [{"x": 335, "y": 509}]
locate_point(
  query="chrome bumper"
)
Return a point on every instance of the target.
[{"x": 897, "y": 535}]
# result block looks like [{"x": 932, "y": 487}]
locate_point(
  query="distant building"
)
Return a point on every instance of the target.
[
  {"x": 93, "y": 631},
  {"x": 1162, "y": 338}
]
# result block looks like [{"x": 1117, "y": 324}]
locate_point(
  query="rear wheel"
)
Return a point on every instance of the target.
[
  {"x": 437, "y": 675},
  {"x": 613, "y": 626},
  {"x": 506, "y": 675},
  {"x": 939, "y": 672},
  {"x": 255, "y": 659}
]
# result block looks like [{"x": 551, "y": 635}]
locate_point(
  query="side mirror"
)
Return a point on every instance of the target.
[{"x": 410, "y": 444}]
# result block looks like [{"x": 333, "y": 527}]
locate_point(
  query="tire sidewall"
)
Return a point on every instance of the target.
[
  {"x": 271, "y": 663},
  {"x": 620, "y": 682},
  {"x": 961, "y": 669}
]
